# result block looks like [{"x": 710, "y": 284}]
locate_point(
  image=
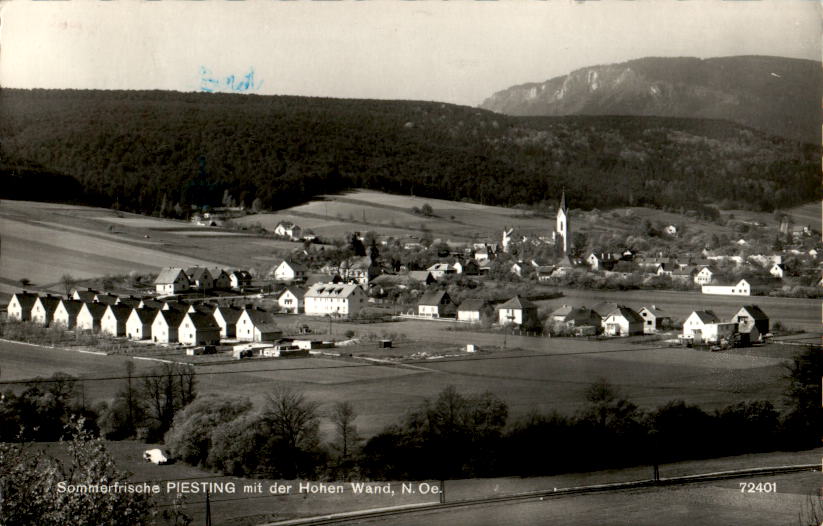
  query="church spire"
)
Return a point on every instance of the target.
[{"x": 563, "y": 201}]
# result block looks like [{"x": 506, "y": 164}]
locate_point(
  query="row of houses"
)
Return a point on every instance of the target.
[
  {"x": 172, "y": 321},
  {"x": 516, "y": 311},
  {"x": 174, "y": 280}
]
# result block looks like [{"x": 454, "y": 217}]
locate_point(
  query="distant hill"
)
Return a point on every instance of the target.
[
  {"x": 778, "y": 95},
  {"x": 159, "y": 152}
]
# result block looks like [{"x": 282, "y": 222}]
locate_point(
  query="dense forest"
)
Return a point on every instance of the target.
[{"x": 149, "y": 151}]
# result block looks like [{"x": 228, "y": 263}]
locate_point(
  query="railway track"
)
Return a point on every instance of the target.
[{"x": 545, "y": 494}]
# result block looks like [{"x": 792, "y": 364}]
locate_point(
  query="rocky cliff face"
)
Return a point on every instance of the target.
[{"x": 777, "y": 95}]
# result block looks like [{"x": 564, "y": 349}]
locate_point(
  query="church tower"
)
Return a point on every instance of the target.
[{"x": 562, "y": 230}]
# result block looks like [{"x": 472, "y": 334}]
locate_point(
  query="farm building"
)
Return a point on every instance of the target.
[
  {"x": 286, "y": 271},
  {"x": 200, "y": 278},
  {"x": 166, "y": 325},
  {"x": 42, "y": 311},
  {"x": 334, "y": 299},
  {"x": 198, "y": 329},
  {"x": 292, "y": 300},
  {"x": 436, "y": 304},
  {"x": 742, "y": 288},
  {"x": 65, "y": 315},
  {"x": 255, "y": 325},
  {"x": 138, "y": 325},
  {"x": 654, "y": 319},
  {"x": 752, "y": 323},
  {"x": 90, "y": 316},
  {"x": 622, "y": 321},
  {"x": 517, "y": 311},
  {"x": 226, "y": 318},
  {"x": 706, "y": 327},
  {"x": 472, "y": 310},
  {"x": 239, "y": 279},
  {"x": 114, "y": 320},
  {"x": 171, "y": 280},
  {"x": 20, "y": 305}
]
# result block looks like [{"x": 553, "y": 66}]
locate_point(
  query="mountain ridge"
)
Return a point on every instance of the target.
[{"x": 777, "y": 95}]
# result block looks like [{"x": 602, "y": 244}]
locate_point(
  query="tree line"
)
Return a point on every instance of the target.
[{"x": 162, "y": 152}]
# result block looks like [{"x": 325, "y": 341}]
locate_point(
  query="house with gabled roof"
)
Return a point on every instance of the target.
[
  {"x": 288, "y": 229},
  {"x": 65, "y": 315},
  {"x": 107, "y": 298},
  {"x": 131, "y": 301},
  {"x": 239, "y": 279},
  {"x": 441, "y": 270},
  {"x": 778, "y": 270},
  {"x": 436, "y": 304},
  {"x": 288, "y": 271},
  {"x": 166, "y": 325},
  {"x": 704, "y": 276},
  {"x": 90, "y": 316},
  {"x": 421, "y": 276},
  {"x": 42, "y": 311},
  {"x": 114, "y": 320},
  {"x": 87, "y": 295},
  {"x": 752, "y": 323},
  {"x": 220, "y": 278},
  {"x": 150, "y": 303},
  {"x": 200, "y": 278},
  {"x": 176, "y": 304},
  {"x": 622, "y": 321},
  {"x": 518, "y": 311},
  {"x": 20, "y": 305},
  {"x": 226, "y": 318},
  {"x": 654, "y": 319},
  {"x": 171, "y": 280},
  {"x": 604, "y": 308},
  {"x": 568, "y": 316},
  {"x": 705, "y": 326},
  {"x": 198, "y": 328},
  {"x": 472, "y": 310},
  {"x": 334, "y": 299},
  {"x": 139, "y": 322},
  {"x": 292, "y": 300},
  {"x": 256, "y": 325}
]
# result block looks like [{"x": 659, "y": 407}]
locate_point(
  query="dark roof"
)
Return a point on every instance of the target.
[
  {"x": 107, "y": 299},
  {"x": 145, "y": 314},
  {"x": 49, "y": 302},
  {"x": 517, "y": 303},
  {"x": 298, "y": 293},
  {"x": 202, "y": 321},
  {"x": 130, "y": 301},
  {"x": 472, "y": 304},
  {"x": 297, "y": 267},
  {"x": 172, "y": 317},
  {"x": 181, "y": 306},
  {"x": 152, "y": 303},
  {"x": 72, "y": 306},
  {"x": 121, "y": 312},
  {"x": 565, "y": 310},
  {"x": 434, "y": 298},
  {"x": 420, "y": 275},
  {"x": 604, "y": 308},
  {"x": 96, "y": 309},
  {"x": 198, "y": 273},
  {"x": 230, "y": 314},
  {"x": 756, "y": 312},
  {"x": 85, "y": 295},
  {"x": 707, "y": 316}
]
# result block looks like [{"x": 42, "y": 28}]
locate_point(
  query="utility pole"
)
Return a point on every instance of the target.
[
  {"x": 442, "y": 491},
  {"x": 208, "y": 509}
]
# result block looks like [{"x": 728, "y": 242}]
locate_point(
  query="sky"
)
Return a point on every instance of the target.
[{"x": 451, "y": 51}]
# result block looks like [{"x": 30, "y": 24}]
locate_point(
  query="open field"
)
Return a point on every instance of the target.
[{"x": 43, "y": 241}]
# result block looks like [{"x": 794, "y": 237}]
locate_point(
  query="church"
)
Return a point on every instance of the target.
[{"x": 562, "y": 229}]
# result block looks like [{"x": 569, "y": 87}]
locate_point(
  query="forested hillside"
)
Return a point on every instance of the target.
[{"x": 144, "y": 151}]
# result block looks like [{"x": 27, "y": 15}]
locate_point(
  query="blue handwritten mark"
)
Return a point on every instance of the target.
[{"x": 211, "y": 83}]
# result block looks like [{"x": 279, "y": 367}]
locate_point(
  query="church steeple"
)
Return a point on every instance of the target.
[
  {"x": 562, "y": 229},
  {"x": 563, "y": 201}
]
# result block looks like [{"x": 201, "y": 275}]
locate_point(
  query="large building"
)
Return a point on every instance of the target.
[{"x": 333, "y": 299}]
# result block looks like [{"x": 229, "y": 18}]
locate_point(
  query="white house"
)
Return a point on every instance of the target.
[
  {"x": 471, "y": 310},
  {"x": 65, "y": 315},
  {"x": 435, "y": 304},
  {"x": 703, "y": 276},
  {"x": 166, "y": 325},
  {"x": 334, "y": 299},
  {"x": 288, "y": 229},
  {"x": 226, "y": 318},
  {"x": 198, "y": 329},
  {"x": 286, "y": 271},
  {"x": 742, "y": 288},
  {"x": 696, "y": 323},
  {"x": 292, "y": 300},
  {"x": 20, "y": 305},
  {"x": 255, "y": 325},
  {"x": 670, "y": 230},
  {"x": 114, "y": 320},
  {"x": 622, "y": 321},
  {"x": 778, "y": 270},
  {"x": 239, "y": 279},
  {"x": 517, "y": 311},
  {"x": 87, "y": 295},
  {"x": 654, "y": 319},
  {"x": 138, "y": 325},
  {"x": 90, "y": 316},
  {"x": 171, "y": 280},
  {"x": 752, "y": 322},
  {"x": 43, "y": 310},
  {"x": 440, "y": 270}
]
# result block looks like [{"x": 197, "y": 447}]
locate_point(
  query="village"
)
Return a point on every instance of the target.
[{"x": 480, "y": 286}]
